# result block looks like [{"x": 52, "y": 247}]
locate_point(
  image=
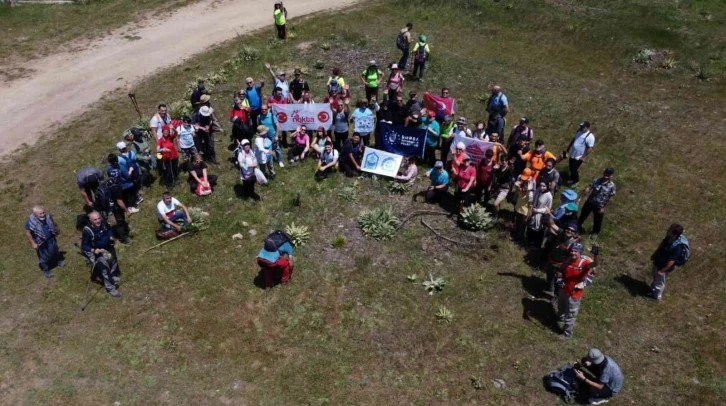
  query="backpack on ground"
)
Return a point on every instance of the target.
[
  {"x": 401, "y": 42},
  {"x": 102, "y": 201},
  {"x": 685, "y": 250},
  {"x": 562, "y": 382},
  {"x": 421, "y": 53},
  {"x": 279, "y": 237}
]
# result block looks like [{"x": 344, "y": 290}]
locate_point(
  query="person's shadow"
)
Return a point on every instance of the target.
[
  {"x": 634, "y": 286},
  {"x": 534, "y": 306}
]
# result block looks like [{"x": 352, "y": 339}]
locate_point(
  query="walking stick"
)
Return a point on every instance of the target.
[
  {"x": 88, "y": 285},
  {"x": 132, "y": 96}
]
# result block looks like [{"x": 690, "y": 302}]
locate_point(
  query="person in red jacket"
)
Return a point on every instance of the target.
[
  {"x": 168, "y": 146},
  {"x": 575, "y": 273},
  {"x": 485, "y": 177}
]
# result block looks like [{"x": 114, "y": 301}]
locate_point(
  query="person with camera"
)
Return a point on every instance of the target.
[
  {"x": 600, "y": 377},
  {"x": 575, "y": 274},
  {"x": 97, "y": 244}
]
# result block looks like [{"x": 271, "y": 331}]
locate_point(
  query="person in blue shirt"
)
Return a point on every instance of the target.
[
  {"x": 97, "y": 245},
  {"x": 268, "y": 119},
  {"x": 433, "y": 134},
  {"x": 130, "y": 174},
  {"x": 253, "y": 94},
  {"x": 603, "y": 378},
  {"x": 439, "y": 183},
  {"x": 665, "y": 259},
  {"x": 497, "y": 107},
  {"x": 41, "y": 230}
]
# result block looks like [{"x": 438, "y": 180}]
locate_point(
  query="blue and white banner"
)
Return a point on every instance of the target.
[
  {"x": 402, "y": 140},
  {"x": 381, "y": 162}
]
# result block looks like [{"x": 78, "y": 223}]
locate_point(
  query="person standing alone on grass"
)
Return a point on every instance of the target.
[
  {"x": 673, "y": 251},
  {"x": 41, "y": 230},
  {"x": 403, "y": 42},
  {"x": 421, "y": 52},
  {"x": 580, "y": 147},
  {"x": 599, "y": 196},
  {"x": 574, "y": 273},
  {"x": 280, "y": 16}
]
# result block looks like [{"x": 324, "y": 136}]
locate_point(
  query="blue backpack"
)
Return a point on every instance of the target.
[
  {"x": 562, "y": 382},
  {"x": 685, "y": 250}
]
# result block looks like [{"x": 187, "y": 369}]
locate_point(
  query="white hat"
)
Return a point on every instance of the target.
[
  {"x": 460, "y": 145},
  {"x": 372, "y": 63},
  {"x": 206, "y": 111},
  {"x": 245, "y": 142},
  {"x": 394, "y": 66},
  {"x": 120, "y": 145}
]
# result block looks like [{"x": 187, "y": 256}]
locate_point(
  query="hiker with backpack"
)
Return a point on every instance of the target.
[
  {"x": 497, "y": 107},
  {"x": 130, "y": 173},
  {"x": 109, "y": 200},
  {"x": 138, "y": 143},
  {"x": 599, "y": 194},
  {"x": 673, "y": 251},
  {"x": 253, "y": 95},
  {"x": 421, "y": 52},
  {"x": 371, "y": 78},
  {"x": 576, "y": 274},
  {"x": 521, "y": 131},
  {"x": 403, "y": 43},
  {"x": 88, "y": 180},
  {"x": 276, "y": 258},
  {"x": 41, "y": 231},
  {"x": 394, "y": 84},
  {"x": 580, "y": 147},
  {"x": 336, "y": 84},
  {"x": 97, "y": 245}
]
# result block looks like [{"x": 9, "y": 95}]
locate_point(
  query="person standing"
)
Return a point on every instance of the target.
[
  {"x": 574, "y": 273},
  {"x": 247, "y": 166},
  {"x": 485, "y": 177},
  {"x": 280, "y": 80},
  {"x": 41, "y": 230},
  {"x": 421, "y": 53},
  {"x": 599, "y": 196},
  {"x": 403, "y": 42},
  {"x": 523, "y": 130},
  {"x": 371, "y": 78},
  {"x": 580, "y": 147},
  {"x": 297, "y": 87},
  {"x": 502, "y": 183},
  {"x": 198, "y": 92},
  {"x": 341, "y": 117},
  {"x": 160, "y": 119},
  {"x": 280, "y": 16},
  {"x": 269, "y": 120},
  {"x": 541, "y": 207},
  {"x": 465, "y": 182},
  {"x": 110, "y": 200},
  {"x": 352, "y": 156},
  {"x": 497, "y": 107},
  {"x": 130, "y": 175},
  {"x": 363, "y": 114},
  {"x": 253, "y": 93},
  {"x": 561, "y": 242},
  {"x": 88, "y": 180},
  {"x": 203, "y": 123},
  {"x": 97, "y": 245},
  {"x": 433, "y": 134},
  {"x": 525, "y": 196},
  {"x": 263, "y": 152},
  {"x": 605, "y": 380},
  {"x": 168, "y": 146},
  {"x": 186, "y": 135},
  {"x": 673, "y": 251}
]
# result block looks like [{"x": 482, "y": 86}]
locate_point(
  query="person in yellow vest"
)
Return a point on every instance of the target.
[
  {"x": 421, "y": 52},
  {"x": 371, "y": 78},
  {"x": 280, "y": 14}
]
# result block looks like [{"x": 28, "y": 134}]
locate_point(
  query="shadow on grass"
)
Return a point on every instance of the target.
[
  {"x": 533, "y": 307},
  {"x": 635, "y": 287}
]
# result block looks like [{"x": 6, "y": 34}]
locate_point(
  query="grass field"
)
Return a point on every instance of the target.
[
  {"x": 31, "y": 30},
  {"x": 192, "y": 328}
]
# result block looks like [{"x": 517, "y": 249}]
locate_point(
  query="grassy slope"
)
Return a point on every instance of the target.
[
  {"x": 350, "y": 329},
  {"x": 32, "y": 30}
]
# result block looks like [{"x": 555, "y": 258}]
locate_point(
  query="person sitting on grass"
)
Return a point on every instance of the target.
[
  {"x": 300, "y": 145},
  {"x": 97, "y": 245},
  {"x": 319, "y": 141},
  {"x": 352, "y": 156},
  {"x": 600, "y": 377},
  {"x": 328, "y": 162},
  {"x": 201, "y": 183},
  {"x": 276, "y": 258},
  {"x": 439, "y": 183},
  {"x": 170, "y": 211},
  {"x": 410, "y": 170},
  {"x": 41, "y": 230}
]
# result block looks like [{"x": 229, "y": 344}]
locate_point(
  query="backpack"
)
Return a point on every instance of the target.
[
  {"x": 685, "y": 250},
  {"x": 103, "y": 202},
  {"x": 401, "y": 41},
  {"x": 131, "y": 163},
  {"x": 279, "y": 237},
  {"x": 421, "y": 53},
  {"x": 562, "y": 382},
  {"x": 334, "y": 85}
]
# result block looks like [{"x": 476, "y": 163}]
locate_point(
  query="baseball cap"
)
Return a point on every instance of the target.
[
  {"x": 439, "y": 164},
  {"x": 120, "y": 145},
  {"x": 245, "y": 142},
  {"x": 280, "y": 72},
  {"x": 394, "y": 66},
  {"x": 577, "y": 247},
  {"x": 372, "y": 63},
  {"x": 573, "y": 226},
  {"x": 432, "y": 113},
  {"x": 526, "y": 174},
  {"x": 596, "y": 356},
  {"x": 585, "y": 124}
]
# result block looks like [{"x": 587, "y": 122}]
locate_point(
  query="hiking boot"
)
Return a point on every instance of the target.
[
  {"x": 48, "y": 274},
  {"x": 61, "y": 264},
  {"x": 114, "y": 293},
  {"x": 139, "y": 199},
  {"x": 564, "y": 336},
  {"x": 133, "y": 210},
  {"x": 597, "y": 401},
  {"x": 282, "y": 165},
  {"x": 116, "y": 280}
]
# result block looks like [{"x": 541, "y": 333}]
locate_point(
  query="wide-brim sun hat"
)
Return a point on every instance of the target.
[
  {"x": 205, "y": 98},
  {"x": 262, "y": 130},
  {"x": 205, "y": 111}
]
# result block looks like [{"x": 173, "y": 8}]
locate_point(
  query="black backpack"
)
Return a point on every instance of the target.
[
  {"x": 401, "y": 42},
  {"x": 102, "y": 202},
  {"x": 279, "y": 237},
  {"x": 562, "y": 382}
]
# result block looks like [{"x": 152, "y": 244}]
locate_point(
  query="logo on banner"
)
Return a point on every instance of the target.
[
  {"x": 297, "y": 118},
  {"x": 323, "y": 116},
  {"x": 389, "y": 164},
  {"x": 392, "y": 136},
  {"x": 282, "y": 117}
]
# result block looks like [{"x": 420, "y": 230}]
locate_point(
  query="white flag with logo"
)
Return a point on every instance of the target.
[
  {"x": 381, "y": 162},
  {"x": 291, "y": 116}
]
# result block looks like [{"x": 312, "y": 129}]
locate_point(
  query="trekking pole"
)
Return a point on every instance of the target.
[
  {"x": 85, "y": 303},
  {"x": 132, "y": 96}
]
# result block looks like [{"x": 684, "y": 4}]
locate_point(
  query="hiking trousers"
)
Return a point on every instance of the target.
[
  {"x": 403, "y": 62},
  {"x": 419, "y": 67},
  {"x": 567, "y": 309},
  {"x": 659, "y": 282},
  {"x": 588, "y": 208}
]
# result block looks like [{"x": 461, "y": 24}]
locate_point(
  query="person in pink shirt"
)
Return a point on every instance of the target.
[
  {"x": 465, "y": 182},
  {"x": 300, "y": 145}
]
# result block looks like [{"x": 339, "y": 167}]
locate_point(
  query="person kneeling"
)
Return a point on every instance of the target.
[
  {"x": 170, "y": 211},
  {"x": 275, "y": 258},
  {"x": 600, "y": 377},
  {"x": 201, "y": 183},
  {"x": 439, "y": 183},
  {"x": 328, "y": 162},
  {"x": 97, "y": 246}
]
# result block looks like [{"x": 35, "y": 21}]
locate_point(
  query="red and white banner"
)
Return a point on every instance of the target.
[
  {"x": 441, "y": 105},
  {"x": 291, "y": 116},
  {"x": 473, "y": 147}
]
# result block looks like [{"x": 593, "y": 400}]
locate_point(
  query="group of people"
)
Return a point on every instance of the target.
[{"x": 520, "y": 170}]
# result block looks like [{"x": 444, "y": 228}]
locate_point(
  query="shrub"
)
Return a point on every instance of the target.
[
  {"x": 644, "y": 55},
  {"x": 338, "y": 242},
  {"x": 198, "y": 215},
  {"x": 299, "y": 234},
  {"x": 476, "y": 218},
  {"x": 318, "y": 65},
  {"x": 444, "y": 315},
  {"x": 434, "y": 285},
  {"x": 249, "y": 54},
  {"x": 325, "y": 46},
  {"x": 398, "y": 188},
  {"x": 379, "y": 223},
  {"x": 669, "y": 63},
  {"x": 181, "y": 108},
  {"x": 349, "y": 193}
]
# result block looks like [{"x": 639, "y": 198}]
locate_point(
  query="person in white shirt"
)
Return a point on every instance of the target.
[
  {"x": 248, "y": 169},
  {"x": 169, "y": 210},
  {"x": 410, "y": 171},
  {"x": 460, "y": 129},
  {"x": 580, "y": 147},
  {"x": 328, "y": 162},
  {"x": 263, "y": 152},
  {"x": 160, "y": 119},
  {"x": 186, "y": 135}
]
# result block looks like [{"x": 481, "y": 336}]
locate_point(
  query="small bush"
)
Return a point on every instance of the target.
[
  {"x": 412, "y": 277},
  {"x": 476, "y": 218},
  {"x": 338, "y": 242},
  {"x": 444, "y": 315},
  {"x": 198, "y": 215},
  {"x": 325, "y": 46},
  {"x": 644, "y": 55},
  {"x": 181, "y": 108},
  {"x": 349, "y": 193},
  {"x": 434, "y": 285},
  {"x": 398, "y": 188},
  {"x": 319, "y": 65},
  {"x": 669, "y": 63},
  {"x": 249, "y": 54},
  {"x": 299, "y": 234},
  {"x": 379, "y": 223}
]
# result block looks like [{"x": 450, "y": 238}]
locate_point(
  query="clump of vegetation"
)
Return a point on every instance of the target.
[
  {"x": 349, "y": 193},
  {"x": 249, "y": 54},
  {"x": 412, "y": 277},
  {"x": 181, "y": 108},
  {"x": 274, "y": 42},
  {"x": 434, "y": 285},
  {"x": 299, "y": 234},
  {"x": 198, "y": 215},
  {"x": 699, "y": 72},
  {"x": 325, "y": 46},
  {"x": 644, "y": 55},
  {"x": 669, "y": 63},
  {"x": 379, "y": 223},
  {"x": 291, "y": 35},
  {"x": 444, "y": 315},
  {"x": 476, "y": 218},
  {"x": 319, "y": 65},
  {"x": 215, "y": 78},
  {"x": 398, "y": 188},
  {"x": 338, "y": 242}
]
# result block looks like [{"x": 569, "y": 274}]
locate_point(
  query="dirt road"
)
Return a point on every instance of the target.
[{"x": 65, "y": 84}]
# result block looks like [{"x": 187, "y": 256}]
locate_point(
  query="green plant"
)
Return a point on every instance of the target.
[
  {"x": 215, "y": 78},
  {"x": 291, "y": 35},
  {"x": 379, "y": 223},
  {"x": 274, "y": 42},
  {"x": 434, "y": 285},
  {"x": 669, "y": 63},
  {"x": 476, "y": 218},
  {"x": 338, "y": 242},
  {"x": 249, "y": 54},
  {"x": 349, "y": 192},
  {"x": 198, "y": 215},
  {"x": 412, "y": 277},
  {"x": 181, "y": 108},
  {"x": 299, "y": 234},
  {"x": 325, "y": 46},
  {"x": 644, "y": 55},
  {"x": 319, "y": 65},
  {"x": 444, "y": 315},
  {"x": 399, "y": 188}
]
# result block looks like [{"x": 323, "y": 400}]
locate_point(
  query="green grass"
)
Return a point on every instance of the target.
[
  {"x": 191, "y": 328},
  {"x": 31, "y": 30}
]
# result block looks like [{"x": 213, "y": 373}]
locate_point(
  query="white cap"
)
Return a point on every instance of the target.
[
  {"x": 460, "y": 145},
  {"x": 120, "y": 145},
  {"x": 394, "y": 66},
  {"x": 206, "y": 111},
  {"x": 245, "y": 142}
]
